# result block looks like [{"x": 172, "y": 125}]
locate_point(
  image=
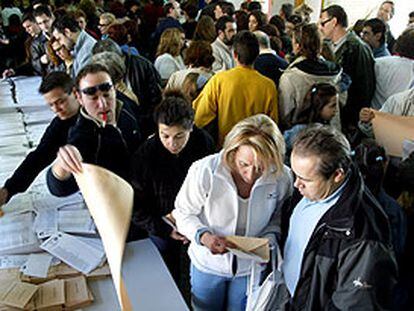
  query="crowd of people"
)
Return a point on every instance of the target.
[{"x": 232, "y": 122}]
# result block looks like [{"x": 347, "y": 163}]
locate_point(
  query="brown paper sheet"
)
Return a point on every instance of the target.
[
  {"x": 77, "y": 293},
  {"x": 50, "y": 295},
  {"x": 390, "y": 131},
  {"x": 250, "y": 245},
  {"x": 16, "y": 294},
  {"x": 109, "y": 199}
]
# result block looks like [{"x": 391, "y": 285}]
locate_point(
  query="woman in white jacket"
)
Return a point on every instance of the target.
[{"x": 235, "y": 192}]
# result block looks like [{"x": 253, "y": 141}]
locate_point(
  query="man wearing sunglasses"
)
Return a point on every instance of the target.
[
  {"x": 356, "y": 59},
  {"x": 67, "y": 32},
  {"x": 57, "y": 90},
  {"x": 106, "y": 132}
]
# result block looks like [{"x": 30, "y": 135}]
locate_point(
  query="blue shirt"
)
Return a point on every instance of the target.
[
  {"x": 381, "y": 51},
  {"x": 303, "y": 221}
]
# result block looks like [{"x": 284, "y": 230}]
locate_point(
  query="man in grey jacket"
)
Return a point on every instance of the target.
[{"x": 67, "y": 31}]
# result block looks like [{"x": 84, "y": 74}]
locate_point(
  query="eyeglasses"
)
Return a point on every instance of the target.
[
  {"x": 326, "y": 21},
  {"x": 104, "y": 87}
]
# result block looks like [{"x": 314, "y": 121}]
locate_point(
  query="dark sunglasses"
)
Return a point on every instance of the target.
[
  {"x": 104, "y": 87},
  {"x": 326, "y": 21}
]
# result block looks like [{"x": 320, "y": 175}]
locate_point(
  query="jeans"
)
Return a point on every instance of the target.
[{"x": 215, "y": 293}]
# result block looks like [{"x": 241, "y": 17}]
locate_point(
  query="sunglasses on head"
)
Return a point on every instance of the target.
[{"x": 103, "y": 87}]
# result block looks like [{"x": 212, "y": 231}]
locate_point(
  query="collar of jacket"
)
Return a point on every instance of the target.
[
  {"x": 99, "y": 122},
  {"x": 321, "y": 67}
]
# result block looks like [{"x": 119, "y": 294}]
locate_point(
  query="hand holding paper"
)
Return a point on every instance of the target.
[
  {"x": 256, "y": 249},
  {"x": 109, "y": 199},
  {"x": 216, "y": 244}
]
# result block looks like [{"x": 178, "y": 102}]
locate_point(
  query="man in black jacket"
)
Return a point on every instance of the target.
[
  {"x": 57, "y": 90},
  {"x": 106, "y": 132},
  {"x": 336, "y": 238}
]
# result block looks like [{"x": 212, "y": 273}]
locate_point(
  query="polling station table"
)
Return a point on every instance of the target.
[{"x": 23, "y": 118}]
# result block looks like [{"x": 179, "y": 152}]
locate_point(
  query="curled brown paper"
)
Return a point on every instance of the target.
[
  {"x": 109, "y": 199},
  {"x": 391, "y": 130}
]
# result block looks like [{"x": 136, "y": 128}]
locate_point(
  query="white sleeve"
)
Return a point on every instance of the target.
[{"x": 190, "y": 200}]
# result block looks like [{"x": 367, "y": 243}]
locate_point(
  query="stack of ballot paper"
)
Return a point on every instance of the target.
[
  {"x": 59, "y": 294},
  {"x": 256, "y": 249}
]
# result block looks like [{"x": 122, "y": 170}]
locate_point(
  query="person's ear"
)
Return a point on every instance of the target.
[
  {"x": 339, "y": 175},
  {"x": 377, "y": 36},
  {"x": 67, "y": 32},
  {"x": 78, "y": 95}
]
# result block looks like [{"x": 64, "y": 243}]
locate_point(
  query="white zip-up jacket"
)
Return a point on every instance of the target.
[{"x": 208, "y": 199}]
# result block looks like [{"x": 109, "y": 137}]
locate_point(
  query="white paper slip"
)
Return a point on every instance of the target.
[
  {"x": 73, "y": 252},
  {"x": 12, "y": 261},
  {"x": 18, "y": 203},
  {"x": 44, "y": 200},
  {"x": 94, "y": 242},
  {"x": 46, "y": 223},
  {"x": 17, "y": 235},
  {"x": 37, "y": 265},
  {"x": 76, "y": 221}
]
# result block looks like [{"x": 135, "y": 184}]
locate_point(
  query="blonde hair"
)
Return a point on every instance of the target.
[
  {"x": 170, "y": 42},
  {"x": 108, "y": 17},
  {"x": 260, "y": 133}
]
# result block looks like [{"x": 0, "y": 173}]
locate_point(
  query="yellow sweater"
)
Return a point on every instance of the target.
[{"x": 233, "y": 95}]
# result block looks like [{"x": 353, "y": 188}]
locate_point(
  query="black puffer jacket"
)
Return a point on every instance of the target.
[
  {"x": 348, "y": 263},
  {"x": 110, "y": 147},
  {"x": 158, "y": 176}
]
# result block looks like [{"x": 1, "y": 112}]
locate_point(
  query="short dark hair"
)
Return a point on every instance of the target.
[
  {"x": 226, "y": 7},
  {"x": 404, "y": 45},
  {"x": 339, "y": 13},
  {"x": 246, "y": 47},
  {"x": 254, "y": 5},
  {"x": 191, "y": 10},
  {"x": 174, "y": 109},
  {"x": 28, "y": 17},
  {"x": 278, "y": 22},
  {"x": 90, "y": 68},
  {"x": 287, "y": 9},
  {"x": 377, "y": 26},
  {"x": 66, "y": 22},
  {"x": 199, "y": 54},
  {"x": 326, "y": 143},
  {"x": 41, "y": 2},
  {"x": 222, "y": 21},
  {"x": 411, "y": 14},
  {"x": 42, "y": 9},
  {"x": 295, "y": 19},
  {"x": 107, "y": 45},
  {"x": 56, "y": 79},
  {"x": 309, "y": 40}
]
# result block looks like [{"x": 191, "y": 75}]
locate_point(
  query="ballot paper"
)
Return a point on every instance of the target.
[
  {"x": 18, "y": 203},
  {"x": 17, "y": 235},
  {"x": 77, "y": 293},
  {"x": 46, "y": 223},
  {"x": 256, "y": 249},
  {"x": 12, "y": 261},
  {"x": 76, "y": 221},
  {"x": 73, "y": 252},
  {"x": 16, "y": 294},
  {"x": 170, "y": 220},
  {"x": 37, "y": 265},
  {"x": 109, "y": 199},
  {"x": 44, "y": 200},
  {"x": 50, "y": 294}
]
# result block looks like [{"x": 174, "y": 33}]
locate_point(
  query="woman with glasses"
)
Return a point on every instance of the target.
[
  {"x": 234, "y": 192},
  {"x": 105, "y": 20}
]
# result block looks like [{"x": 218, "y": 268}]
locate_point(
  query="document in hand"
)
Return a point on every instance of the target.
[
  {"x": 391, "y": 131},
  {"x": 109, "y": 199},
  {"x": 170, "y": 220},
  {"x": 256, "y": 249}
]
